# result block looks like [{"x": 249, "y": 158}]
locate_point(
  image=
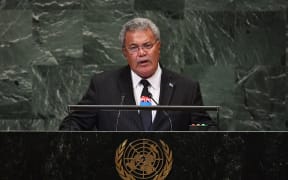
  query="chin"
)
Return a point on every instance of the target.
[{"x": 146, "y": 75}]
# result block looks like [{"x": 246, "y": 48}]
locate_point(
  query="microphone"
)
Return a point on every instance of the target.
[
  {"x": 165, "y": 113},
  {"x": 119, "y": 112},
  {"x": 194, "y": 124}
]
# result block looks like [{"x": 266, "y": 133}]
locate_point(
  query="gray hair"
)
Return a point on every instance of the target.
[{"x": 138, "y": 24}]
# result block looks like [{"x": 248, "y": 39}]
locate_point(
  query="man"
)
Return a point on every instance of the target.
[{"x": 143, "y": 81}]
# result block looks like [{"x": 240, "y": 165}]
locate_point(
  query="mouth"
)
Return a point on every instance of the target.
[{"x": 143, "y": 62}]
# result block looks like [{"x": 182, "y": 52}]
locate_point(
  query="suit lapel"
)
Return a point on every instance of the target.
[
  {"x": 167, "y": 88},
  {"x": 125, "y": 86},
  {"x": 166, "y": 93},
  {"x": 126, "y": 89}
]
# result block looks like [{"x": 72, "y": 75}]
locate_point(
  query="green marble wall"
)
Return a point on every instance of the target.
[{"x": 237, "y": 49}]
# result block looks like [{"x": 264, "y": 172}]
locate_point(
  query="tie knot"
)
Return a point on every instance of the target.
[{"x": 145, "y": 83}]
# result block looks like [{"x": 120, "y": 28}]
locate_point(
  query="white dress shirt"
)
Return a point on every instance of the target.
[{"x": 154, "y": 89}]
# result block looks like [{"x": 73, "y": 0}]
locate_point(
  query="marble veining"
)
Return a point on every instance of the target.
[{"x": 236, "y": 49}]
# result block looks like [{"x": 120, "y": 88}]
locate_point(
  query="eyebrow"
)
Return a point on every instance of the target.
[{"x": 133, "y": 44}]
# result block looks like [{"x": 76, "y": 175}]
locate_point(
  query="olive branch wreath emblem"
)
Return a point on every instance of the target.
[{"x": 127, "y": 176}]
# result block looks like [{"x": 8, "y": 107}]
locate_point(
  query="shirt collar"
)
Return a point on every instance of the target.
[{"x": 154, "y": 80}]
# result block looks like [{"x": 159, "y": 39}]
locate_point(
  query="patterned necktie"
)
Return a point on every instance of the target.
[{"x": 146, "y": 115}]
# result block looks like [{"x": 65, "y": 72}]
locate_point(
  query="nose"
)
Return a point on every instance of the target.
[{"x": 141, "y": 52}]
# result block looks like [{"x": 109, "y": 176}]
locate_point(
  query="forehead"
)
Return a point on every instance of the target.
[{"x": 141, "y": 35}]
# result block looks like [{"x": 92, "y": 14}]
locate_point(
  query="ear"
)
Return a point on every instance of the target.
[
  {"x": 159, "y": 46},
  {"x": 124, "y": 52}
]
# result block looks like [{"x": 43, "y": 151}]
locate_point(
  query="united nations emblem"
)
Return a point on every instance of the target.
[{"x": 143, "y": 159}]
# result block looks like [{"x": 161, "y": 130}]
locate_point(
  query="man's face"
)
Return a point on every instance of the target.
[{"x": 142, "y": 52}]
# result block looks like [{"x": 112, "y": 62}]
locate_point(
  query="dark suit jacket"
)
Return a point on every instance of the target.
[{"x": 107, "y": 89}]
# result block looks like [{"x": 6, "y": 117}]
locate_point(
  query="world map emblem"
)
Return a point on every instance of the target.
[{"x": 143, "y": 159}]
